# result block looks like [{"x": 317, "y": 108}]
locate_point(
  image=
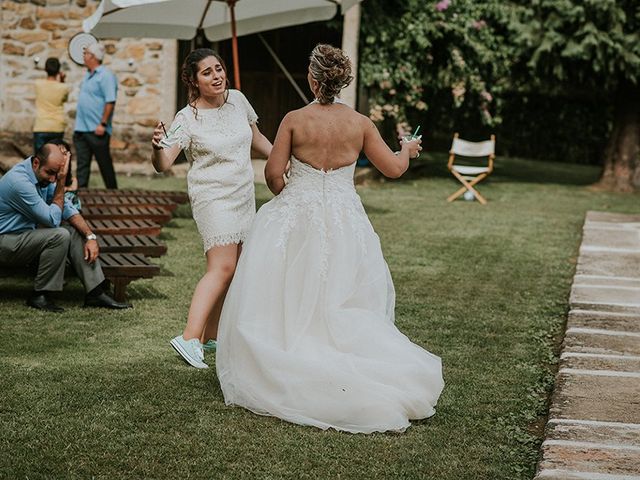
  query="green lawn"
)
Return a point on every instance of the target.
[{"x": 101, "y": 394}]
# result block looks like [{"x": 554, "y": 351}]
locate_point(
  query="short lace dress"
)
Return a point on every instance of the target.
[{"x": 217, "y": 143}]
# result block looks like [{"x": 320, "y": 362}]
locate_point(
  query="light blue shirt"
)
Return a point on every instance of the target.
[
  {"x": 97, "y": 89},
  {"x": 24, "y": 204}
]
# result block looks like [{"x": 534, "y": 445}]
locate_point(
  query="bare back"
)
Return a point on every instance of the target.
[{"x": 327, "y": 136}]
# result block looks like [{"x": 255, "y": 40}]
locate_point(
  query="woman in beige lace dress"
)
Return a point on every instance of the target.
[{"x": 217, "y": 131}]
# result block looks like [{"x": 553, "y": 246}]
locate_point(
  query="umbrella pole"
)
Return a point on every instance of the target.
[{"x": 234, "y": 44}]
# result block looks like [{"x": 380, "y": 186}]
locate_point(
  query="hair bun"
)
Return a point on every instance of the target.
[{"x": 331, "y": 68}]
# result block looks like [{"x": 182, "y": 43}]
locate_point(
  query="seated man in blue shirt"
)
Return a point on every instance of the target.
[{"x": 32, "y": 194}]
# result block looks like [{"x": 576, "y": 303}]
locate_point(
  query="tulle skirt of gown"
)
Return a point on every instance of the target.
[{"x": 307, "y": 331}]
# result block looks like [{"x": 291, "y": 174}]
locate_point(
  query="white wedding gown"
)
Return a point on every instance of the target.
[{"x": 307, "y": 331}]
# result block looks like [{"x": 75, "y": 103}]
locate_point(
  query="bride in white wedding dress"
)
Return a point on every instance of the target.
[{"x": 307, "y": 330}]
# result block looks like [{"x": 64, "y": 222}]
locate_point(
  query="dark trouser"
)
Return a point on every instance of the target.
[
  {"x": 87, "y": 145},
  {"x": 40, "y": 138},
  {"x": 49, "y": 248}
]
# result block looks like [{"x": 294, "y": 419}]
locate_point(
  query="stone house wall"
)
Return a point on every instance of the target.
[{"x": 37, "y": 29}]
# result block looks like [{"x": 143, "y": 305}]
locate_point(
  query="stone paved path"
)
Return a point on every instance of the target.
[{"x": 593, "y": 432}]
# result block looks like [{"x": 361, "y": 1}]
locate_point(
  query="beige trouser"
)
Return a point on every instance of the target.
[{"x": 50, "y": 249}]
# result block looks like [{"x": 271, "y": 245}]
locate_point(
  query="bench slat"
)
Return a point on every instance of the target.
[
  {"x": 155, "y": 214},
  {"x": 176, "y": 196},
  {"x": 127, "y": 265},
  {"x": 144, "y": 244},
  {"x": 114, "y": 201},
  {"x": 124, "y": 227}
]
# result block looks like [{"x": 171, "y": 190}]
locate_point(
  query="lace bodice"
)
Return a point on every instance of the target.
[
  {"x": 326, "y": 201},
  {"x": 337, "y": 181}
]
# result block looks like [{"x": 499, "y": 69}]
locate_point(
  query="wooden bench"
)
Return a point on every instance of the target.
[
  {"x": 119, "y": 268},
  {"x": 124, "y": 227},
  {"x": 129, "y": 201},
  {"x": 175, "y": 196},
  {"x": 122, "y": 212},
  {"x": 122, "y": 268},
  {"x": 143, "y": 244}
]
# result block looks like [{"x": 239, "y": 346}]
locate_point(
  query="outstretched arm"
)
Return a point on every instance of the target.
[
  {"x": 162, "y": 158},
  {"x": 390, "y": 164},
  {"x": 280, "y": 153},
  {"x": 260, "y": 145}
]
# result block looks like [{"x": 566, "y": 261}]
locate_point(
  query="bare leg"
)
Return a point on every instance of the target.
[
  {"x": 211, "y": 330},
  {"x": 221, "y": 264}
]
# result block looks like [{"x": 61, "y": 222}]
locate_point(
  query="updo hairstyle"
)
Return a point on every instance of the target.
[{"x": 331, "y": 68}]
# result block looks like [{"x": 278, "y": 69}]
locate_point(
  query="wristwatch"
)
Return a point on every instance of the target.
[
  {"x": 91, "y": 236},
  {"x": 104, "y": 124}
]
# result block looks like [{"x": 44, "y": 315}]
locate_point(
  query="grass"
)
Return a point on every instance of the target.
[{"x": 95, "y": 393}]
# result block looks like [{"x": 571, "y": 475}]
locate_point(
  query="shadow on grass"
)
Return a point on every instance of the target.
[
  {"x": 14, "y": 291},
  {"x": 375, "y": 210},
  {"x": 145, "y": 292},
  {"x": 164, "y": 272},
  {"x": 183, "y": 211},
  {"x": 164, "y": 235},
  {"x": 509, "y": 169}
]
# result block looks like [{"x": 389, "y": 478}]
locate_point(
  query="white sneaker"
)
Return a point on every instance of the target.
[{"x": 190, "y": 350}]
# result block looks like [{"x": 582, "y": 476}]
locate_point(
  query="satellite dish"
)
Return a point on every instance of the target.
[{"x": 78, "y": 43}]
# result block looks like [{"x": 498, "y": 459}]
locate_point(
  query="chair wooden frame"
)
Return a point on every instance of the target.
[{"x": 470, "y": 176}]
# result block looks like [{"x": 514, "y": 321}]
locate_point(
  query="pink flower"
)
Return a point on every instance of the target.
[
  {"x": 442, "y": 5},
  {"x": 478, "y": 24},
  {"x": 487, "y": 96}
]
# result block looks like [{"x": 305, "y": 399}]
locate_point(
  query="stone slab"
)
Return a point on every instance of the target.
[
  {"x": 612, "y": 295},
  {"x": 619, "y": 363},
  {"x": 624, "y": 238},
  {"x": 618, "y": 218},
  {"x": 603, "y": 434},
  {"x": 566, "y": 475},
  {"x": 585, "y": 280},
  {"x": 598, "y": 343},
  {"x": 625, "y": 322},
  {"x": 592, "y": 460},
  {"x": 606, "y": 399},
  {"x": 609, "y": 264}
]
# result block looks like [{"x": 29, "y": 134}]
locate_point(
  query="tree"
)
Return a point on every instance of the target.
[
  {"x": 414, "y": 51},
  {"x": 590, "y": 46}
]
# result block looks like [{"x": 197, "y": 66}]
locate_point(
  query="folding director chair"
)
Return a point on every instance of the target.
[{"x": 470, "y": 175}]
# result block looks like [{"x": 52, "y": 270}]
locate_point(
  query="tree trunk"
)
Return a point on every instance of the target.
[{"x": 621, "y": 171}]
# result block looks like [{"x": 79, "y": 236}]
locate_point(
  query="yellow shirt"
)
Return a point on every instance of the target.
[{"x": 50, "y": 98}]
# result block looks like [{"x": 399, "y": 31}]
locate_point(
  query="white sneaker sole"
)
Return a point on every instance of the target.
[{"x": 187, "y": 358}]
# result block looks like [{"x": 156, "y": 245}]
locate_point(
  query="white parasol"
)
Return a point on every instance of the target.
[{"x": 218, "y": 19}]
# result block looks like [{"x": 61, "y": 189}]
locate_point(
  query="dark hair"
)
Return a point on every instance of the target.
[
  {"x": 59, "y": 141},
  {"x": 52, "y": 66},
  {"x": 331, "y": 68},
  {"x": 189, "y": 73}
]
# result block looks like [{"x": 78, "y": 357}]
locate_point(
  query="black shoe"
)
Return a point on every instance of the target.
[
  {"x": 41, "y": 302},
  {"x": 104, "y": 301}
]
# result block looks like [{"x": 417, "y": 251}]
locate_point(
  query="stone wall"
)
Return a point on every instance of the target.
[{"x": 37, "y": 29}]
